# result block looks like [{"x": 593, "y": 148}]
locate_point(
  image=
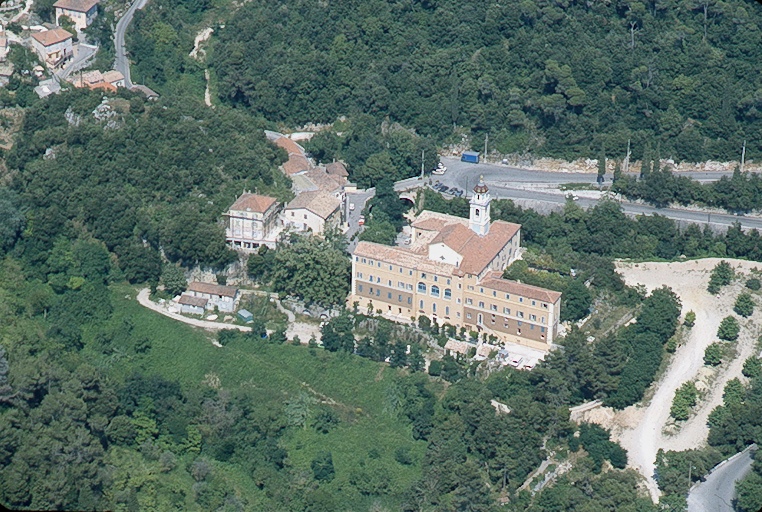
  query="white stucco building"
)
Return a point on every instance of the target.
[
  {"x": 81, "y": 12},
  {"x": 192, "y": 305},
  {"x": 53, "y": 46},
  {"x": 223, "y": 297},
  {"x": 313, "y": 211},
  {"x": 253, "y": 221}
]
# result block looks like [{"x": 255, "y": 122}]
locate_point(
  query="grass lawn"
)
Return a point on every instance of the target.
[{"x": 355, "y": 388}]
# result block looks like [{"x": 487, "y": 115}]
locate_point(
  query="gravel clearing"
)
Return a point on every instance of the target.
[{"x": 640, "y": 428}]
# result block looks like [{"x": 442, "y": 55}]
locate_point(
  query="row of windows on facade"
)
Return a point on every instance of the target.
[
  {"x": 391, "y": 268},
  {"x": 422, "y": 286},
  {"x": 506, "y": 325},
  {"x": 421, "y": 305},
  {"x": 435, "y": 292}
]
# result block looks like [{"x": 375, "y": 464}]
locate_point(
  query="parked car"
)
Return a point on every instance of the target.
[
  {"x": 444, "y": 189},
  {"x": 351, "y": 207},
  {"x": 361, "y": 222}
]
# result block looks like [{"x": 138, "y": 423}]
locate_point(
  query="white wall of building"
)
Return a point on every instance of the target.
[
  {"x": 54, "y": 52},
  {"x": 301, "y": 219},
  {"x": 81, "y": 20}
]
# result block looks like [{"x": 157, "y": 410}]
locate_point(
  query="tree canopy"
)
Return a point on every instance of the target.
[{"x": 144, "y": 180}]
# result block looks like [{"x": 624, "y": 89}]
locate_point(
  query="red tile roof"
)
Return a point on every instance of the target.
[
  {"x": 291, "y": 147},
  {"x": 495, "y": 281},
  {"x": 189, "y": 300},
  {"x": 52, "y": 36},
  {"x": 403, "y": 257},
  {"x": 318, "y": 202},
  {"x": 76, "y": 5},
  {"x": 477, "y": 251},
  {"x": 337, "y": 169},
  {"x": 213, "y": 289},
  {"x": 253, "y": 203},
  {"x": 295, "y": 164},
  {"x": 481, "y": 250}
]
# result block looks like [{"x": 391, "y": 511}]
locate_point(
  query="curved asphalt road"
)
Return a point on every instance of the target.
[
  {"x": 717, "y": 493},
  {"x": 503, "y": 181},
  {"x": 122, "y": 62}
]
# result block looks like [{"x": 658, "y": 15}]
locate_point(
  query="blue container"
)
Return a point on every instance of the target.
[{"x": 470, "y": 156}]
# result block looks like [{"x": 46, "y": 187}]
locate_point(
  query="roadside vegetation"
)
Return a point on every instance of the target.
[{"x": 739, "y": 193}]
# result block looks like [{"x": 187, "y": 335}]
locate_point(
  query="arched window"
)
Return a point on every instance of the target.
[
  {"x": 421, "y": 287},
  {"x": 435, "y": 291},
  {"x": 448, "y": 293},
  {"x": 477, "y": 212}
]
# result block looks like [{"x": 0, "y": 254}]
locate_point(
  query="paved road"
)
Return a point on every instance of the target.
[
  {"x": 122, "y": 62},
  {"x": 716, "y": 494},
  {"x": 83, "y": 54},
  {"x": 359, "y": 199},
  {"x": 144, "y": 300},
  {"x": 505, "y": 173},
  {"x": 503, "y": 182}
]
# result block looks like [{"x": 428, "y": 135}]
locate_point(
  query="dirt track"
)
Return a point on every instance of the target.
[{"x": 641, "y": 427}]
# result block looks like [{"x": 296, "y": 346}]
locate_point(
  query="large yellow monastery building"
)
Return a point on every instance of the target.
[{"x": 452, "y": 272}]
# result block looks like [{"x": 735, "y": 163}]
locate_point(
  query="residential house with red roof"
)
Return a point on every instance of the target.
[
  {"x": 81, "y": 12},
  {"x": 54, "y": 46},
  {"x": 253, "y": 221}
]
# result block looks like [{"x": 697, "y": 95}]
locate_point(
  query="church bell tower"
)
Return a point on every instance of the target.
[{"x": 479, "y": 219}]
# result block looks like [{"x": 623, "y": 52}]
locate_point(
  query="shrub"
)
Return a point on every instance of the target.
[
  {"x": 744, "y": 305},
  {"x": 734, "y": 393},
  {"x": 728, "y": 329},
  {"x": 722, "y": 275},
  {"x": 753, "y": 284},
  {"x": 752, "y": 367},
  {"x": 595, "y": 440},
  {"x": 690, "y": 319},
  {"x": 322, "y": 467},
  {"x": 173, "y": 278},
  {"x": 402, "y": 455},
  {"x": 435, "y": 368},
  {"x": 685, "y": 399},
  {"x": 713, "y": 354}
]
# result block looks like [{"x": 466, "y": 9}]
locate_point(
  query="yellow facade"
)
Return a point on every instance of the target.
[{"x": 514, "y": 313}]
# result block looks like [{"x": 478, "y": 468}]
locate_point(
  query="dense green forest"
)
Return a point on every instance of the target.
[
  {"x": 137, "y": 177},
  {"x": 548, "y": 78}
]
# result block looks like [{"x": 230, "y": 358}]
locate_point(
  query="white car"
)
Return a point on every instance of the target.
[{"x": 351, "y": 207}]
